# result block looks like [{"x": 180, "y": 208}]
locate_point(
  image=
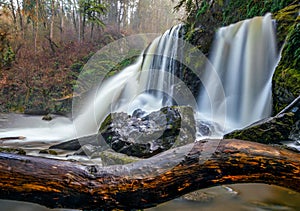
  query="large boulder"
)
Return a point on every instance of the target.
[
  {"x": 137, "y": 135},
  {"x": 145, "y": 136}
]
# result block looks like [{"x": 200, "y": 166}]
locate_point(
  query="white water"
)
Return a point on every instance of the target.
[
  {"x": 126, "y": 91},
  {"x": 133, "y": 87},
  {"x": 244, "y": 56}
]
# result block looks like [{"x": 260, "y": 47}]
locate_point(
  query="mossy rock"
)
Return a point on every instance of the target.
[
  {"x": 12, "y": 151},
  {"x": 47, "y": 117},
  {"x": 286, "y": 79},
  {"x": 114, "y": 158},
  {"x": 285, "y": 126},
  {"x": 285, "y": 20},
  {"x": 146, "y": 136},
  {"x": 199, "y": 196},
  {"x": 237, "y": 10},
  {"x": 48, "y": 152},
  {"x": 269, "y": 131}
]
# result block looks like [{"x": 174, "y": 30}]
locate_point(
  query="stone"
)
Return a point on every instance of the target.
[
  {"x": 286, "y": 79},
  {"x": 48, "y": 152},
  {"x": 47, "y": 117},
  {"x": 138, "y": 135},
  {"x": 110, "y": 157},
  {"x": 12, "y": 151},
  {"x": 76, "y": 144},
  {"x": 282, "y": 127},
  {"x": 151, "y": 134}
]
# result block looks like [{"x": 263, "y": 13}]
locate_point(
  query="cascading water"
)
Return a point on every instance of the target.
[
  {"x": 147, "y": 85},
  {"x": 161, "y": 65},
  {"x": 244, "y": 56}
]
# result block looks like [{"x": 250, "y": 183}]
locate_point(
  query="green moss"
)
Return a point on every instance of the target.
[
  {"x": 114, "y": 158},
  {"x": 122, "y": 65},
  {"x": 203, "y": 8},
  {"x": 12, "y": 151},
  {"x": 106, "y": 123},
  {"x": 286, "y": 80},
  {"x": 8, "y": 57},
  {"x": 49, "y": 152},
  {"x": 237, "y": 10},
  {"x": 285, "y": 19},
  {"x": 77, "y": 66},
  {"x": 270, "y": 131}
]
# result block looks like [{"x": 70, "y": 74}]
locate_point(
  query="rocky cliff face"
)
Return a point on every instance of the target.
[{"x": 286, "y": 80}]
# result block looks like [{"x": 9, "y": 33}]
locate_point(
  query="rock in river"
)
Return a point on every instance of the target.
[
  {"x": 151, "y": 134},
  {"x": 138, "y": 134}
]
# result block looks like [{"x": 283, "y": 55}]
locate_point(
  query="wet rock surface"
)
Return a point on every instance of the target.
[
  {"x": 76, "y": 144},
  {"x": 286, "y": 78},
  {"x": 138, "y": 135},
  {"x": 12, "y": 151},
  {"x": 151, "y": 134},
  {"x": 285, "y": 126}
]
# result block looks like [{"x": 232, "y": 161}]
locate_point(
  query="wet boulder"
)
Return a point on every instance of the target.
[
  {"x": 285, "y": 126},
  {"x": 148, "y": 135},
  {"x": 140, "y": 135}
]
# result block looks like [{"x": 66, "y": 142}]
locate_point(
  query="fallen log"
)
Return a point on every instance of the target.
[{"x": 64, "y": 184}]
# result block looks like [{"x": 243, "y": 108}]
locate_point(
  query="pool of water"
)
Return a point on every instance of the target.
[{"x": 247, "y": 197}]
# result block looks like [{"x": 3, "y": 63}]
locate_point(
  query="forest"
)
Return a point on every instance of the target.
[{"x": 45, "y": 44}]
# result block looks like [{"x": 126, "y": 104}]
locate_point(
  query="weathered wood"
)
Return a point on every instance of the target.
[{"x": 55, "y": 183}]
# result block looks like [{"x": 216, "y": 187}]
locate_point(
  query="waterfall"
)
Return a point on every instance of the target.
[
  {"x": 244, "y": 56},
  {"x": 237, "y": 80},
  {"x": 146, "y": 85},
  {"x": 161, "y": 65}
]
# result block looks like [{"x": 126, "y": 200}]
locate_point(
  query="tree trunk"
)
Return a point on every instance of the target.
[
  {"x": 79, "y": 27},
  {"x": 13, "y": 12},
  {"x": 83, "y": 27},
  {"x": 52, "y": 19},
  {"x": 74, "y": 16},
  {"x": 36, "y": 27},
  {"x": 92, "y": 32},
  {"x": 62, "y": 23},
  {"x": 20, "y": 19},
  {"x": 146, "y": 183}
]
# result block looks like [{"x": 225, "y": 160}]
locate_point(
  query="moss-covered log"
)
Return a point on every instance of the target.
[{"x": 208, "y": 163}]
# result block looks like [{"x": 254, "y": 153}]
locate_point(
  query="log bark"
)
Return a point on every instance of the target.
[{"x": 146, "y": 183}]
